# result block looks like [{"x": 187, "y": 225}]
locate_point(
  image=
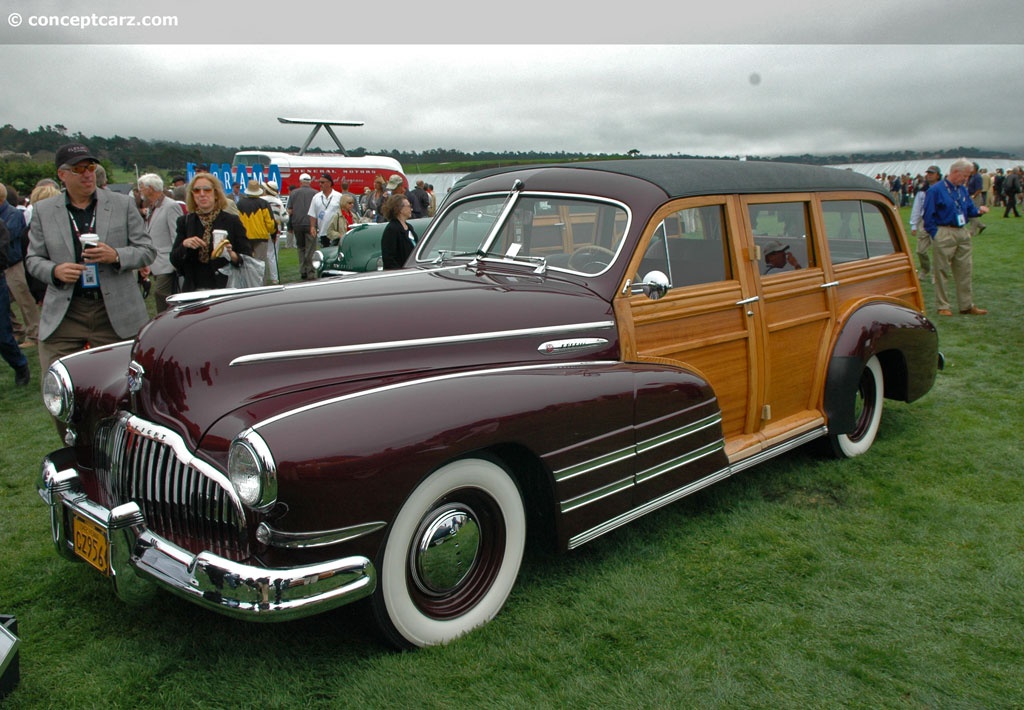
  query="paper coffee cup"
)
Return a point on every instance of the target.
[
  {"x": 219, "y": 235},
  {"x": 89, "y": 240}
]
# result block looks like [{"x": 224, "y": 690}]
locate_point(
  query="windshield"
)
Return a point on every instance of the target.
[{"x": 575, "y": 234}]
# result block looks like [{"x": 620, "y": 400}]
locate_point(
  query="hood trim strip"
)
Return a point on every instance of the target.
[{"x": 277, "y": 356}]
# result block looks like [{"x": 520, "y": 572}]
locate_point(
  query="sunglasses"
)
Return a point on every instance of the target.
[
  {"x": 197, "y": 190},
  {"x": 82, "y": 168}
]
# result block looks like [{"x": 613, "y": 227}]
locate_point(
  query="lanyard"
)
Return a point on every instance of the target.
[
  {"x": 91, "y": 227},
  {"x": 954, "y": 192}
]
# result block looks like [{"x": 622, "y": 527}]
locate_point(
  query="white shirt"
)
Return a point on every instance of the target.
[{"x": 322, "y": 208}]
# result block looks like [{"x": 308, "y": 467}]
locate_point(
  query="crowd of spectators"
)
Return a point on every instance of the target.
[{"x": 80, "y": 260}]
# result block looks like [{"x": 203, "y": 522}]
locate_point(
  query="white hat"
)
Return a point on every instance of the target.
[
  {"x": 270, "y": 186},
  {"x": 305, "y": 177},
  {"x": 394, "y": 182}
]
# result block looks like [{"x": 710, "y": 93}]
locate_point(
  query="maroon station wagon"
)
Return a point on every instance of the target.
[{"x": 568, "y": 348}]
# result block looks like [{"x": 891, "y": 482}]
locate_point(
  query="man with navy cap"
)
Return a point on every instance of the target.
[{"x": 92, "y": 294}]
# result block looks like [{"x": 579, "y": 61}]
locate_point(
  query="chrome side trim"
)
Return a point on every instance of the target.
[
  {"x": 632, "y": 452},
  {"x": 594, "y": 464},
  {"x": 413, "y": 343},
  {"x": 317, "y": 538},
  {"x": 681, "y": 432},
  {"x": 639, "y": 512},
  {"x": 597, "y": 494},
  {"x": 693, "y": 487},
  {"x": 684, "y": 460},
  {"x": 426, "y": 380}
]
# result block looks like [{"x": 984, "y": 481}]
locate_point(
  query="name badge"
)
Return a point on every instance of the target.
[
  {"x": 91, "y": 276},
  {"x": 960, "y": 220}
]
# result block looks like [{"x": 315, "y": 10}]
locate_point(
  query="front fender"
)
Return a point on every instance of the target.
[
  {"x": 906, "y": 344},
  {"x": 99, "y": 377},
  {"x": 354, "y": 458}
]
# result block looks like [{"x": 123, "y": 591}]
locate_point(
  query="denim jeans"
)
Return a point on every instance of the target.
[{"x": 8, "y": 345}]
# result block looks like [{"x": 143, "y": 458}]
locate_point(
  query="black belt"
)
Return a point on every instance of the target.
[{"x": 91, "y": 295}]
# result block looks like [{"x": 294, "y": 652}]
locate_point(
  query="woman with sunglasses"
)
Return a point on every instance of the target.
[{"x": 193, "y": 254}]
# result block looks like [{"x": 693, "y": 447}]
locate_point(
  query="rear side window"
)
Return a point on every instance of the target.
[
  {"x": 781, "y": 234},
  {"x": 856, "y": 230}
]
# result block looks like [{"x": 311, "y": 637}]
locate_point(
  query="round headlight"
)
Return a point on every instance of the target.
[
  {"x": 317, "y": 259},
  {"x": 58, "y": 392},
  {"x": 252, "y": 471}
]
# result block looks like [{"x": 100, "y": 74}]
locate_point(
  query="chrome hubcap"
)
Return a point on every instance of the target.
[{"x": 446, "y": 549}]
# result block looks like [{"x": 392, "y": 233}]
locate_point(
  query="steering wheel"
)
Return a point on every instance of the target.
[{"x": 590, "y": 259}]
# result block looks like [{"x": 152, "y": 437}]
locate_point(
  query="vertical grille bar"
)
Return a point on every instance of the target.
[{"x": 185, "y": 501}]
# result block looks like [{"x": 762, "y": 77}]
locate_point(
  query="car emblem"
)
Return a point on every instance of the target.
[
  {"x": 135, "y": 373},
  {"x": 561, "y": 346}
]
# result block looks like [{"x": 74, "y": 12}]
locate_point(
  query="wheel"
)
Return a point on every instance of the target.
[
  {"x": 452, "y": 554},
  {"x": 868, "y": 413},
  {"x": 590, "y": 259}
]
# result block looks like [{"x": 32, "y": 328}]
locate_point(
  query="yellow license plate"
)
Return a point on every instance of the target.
[{"x": 91, "y": 543}]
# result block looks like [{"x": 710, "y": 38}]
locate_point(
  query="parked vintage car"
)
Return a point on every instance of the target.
[
  {"x": 568, "y": 348},
  {"x": 358, "y": 249}
]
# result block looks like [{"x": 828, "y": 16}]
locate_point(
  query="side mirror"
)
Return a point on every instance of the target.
[{"x": 654, "y": 286}]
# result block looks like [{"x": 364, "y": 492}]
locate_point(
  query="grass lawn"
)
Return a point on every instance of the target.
[{"x": 891, "y": 580}]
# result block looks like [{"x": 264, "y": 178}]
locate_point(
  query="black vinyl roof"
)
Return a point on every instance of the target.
[{"x": 685, "y": 177}]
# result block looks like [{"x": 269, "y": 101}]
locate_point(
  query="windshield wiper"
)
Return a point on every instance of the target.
[
  {"x": 540, "y": 261},
  {"x": 444, "y": 255}
]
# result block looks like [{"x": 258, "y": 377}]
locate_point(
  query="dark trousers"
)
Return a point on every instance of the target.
[
  {"x": 1011, "y": 204},
  {"x": 306, "y": 244},
  {"x": 8, "y": 345}
]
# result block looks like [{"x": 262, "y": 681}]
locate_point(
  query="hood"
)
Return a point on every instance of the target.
[{"x": 243, "y": 353}]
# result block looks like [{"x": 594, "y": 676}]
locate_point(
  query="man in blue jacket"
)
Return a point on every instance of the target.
[{"x": 948, "y": 209}]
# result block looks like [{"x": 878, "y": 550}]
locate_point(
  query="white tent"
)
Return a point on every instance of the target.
[{"x": 917, "y": 167}]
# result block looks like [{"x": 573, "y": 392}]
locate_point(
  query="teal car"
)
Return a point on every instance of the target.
[{"x": 358, "y": 250}]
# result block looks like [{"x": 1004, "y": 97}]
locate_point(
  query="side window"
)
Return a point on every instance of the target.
[
  {"x": 780, "y": 230},
  {"x": 689, "y": 247},
  {"x": 855, "y": 230},
  {"x": 876, "y": 231}
]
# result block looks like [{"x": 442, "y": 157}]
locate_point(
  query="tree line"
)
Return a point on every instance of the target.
[{"x": 26, "y": 155}]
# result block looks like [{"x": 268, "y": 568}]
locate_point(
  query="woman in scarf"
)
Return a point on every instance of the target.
[
  {"x": 194, "y": 254},
  {"x": 344, "y": 219}
]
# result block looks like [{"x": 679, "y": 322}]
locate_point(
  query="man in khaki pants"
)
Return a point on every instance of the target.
[{"x": 948, "y": 209}]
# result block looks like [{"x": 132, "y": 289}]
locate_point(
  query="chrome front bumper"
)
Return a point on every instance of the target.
[{"x": 136, "y": 555}]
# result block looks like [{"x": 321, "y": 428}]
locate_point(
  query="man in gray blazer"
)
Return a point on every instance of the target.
[{"x": 92, "y": 295}]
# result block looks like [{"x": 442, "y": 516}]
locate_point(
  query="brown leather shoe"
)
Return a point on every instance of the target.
[
  {"x": 974, "y": 311},
  {"x": 945, "y": 312}
]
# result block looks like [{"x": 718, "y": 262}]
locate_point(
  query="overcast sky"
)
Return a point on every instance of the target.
[{"x": 817, "y": 77}]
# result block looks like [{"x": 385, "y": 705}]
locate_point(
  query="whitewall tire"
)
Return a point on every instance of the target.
[
  {"x": 452, "y": 554},
  {"x": 868, "y": 404}
]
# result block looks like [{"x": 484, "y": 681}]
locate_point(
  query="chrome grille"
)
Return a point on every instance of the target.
[{"x": 183, "y": 499}]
